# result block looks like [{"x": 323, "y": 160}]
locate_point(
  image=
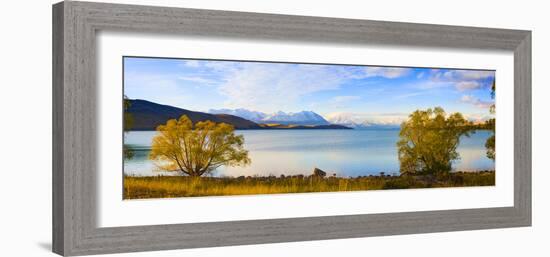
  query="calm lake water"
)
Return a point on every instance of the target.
[{"x": 344, "y": 152}]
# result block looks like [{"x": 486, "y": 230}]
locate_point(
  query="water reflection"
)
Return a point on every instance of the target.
[{"x": 343, "y": 152}]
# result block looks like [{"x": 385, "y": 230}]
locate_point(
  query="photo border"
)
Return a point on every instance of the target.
[
  {"x": 123, "y": 73},
  {"x": 75, "y": 25}
]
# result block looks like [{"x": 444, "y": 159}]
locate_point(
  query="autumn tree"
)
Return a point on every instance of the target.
[
  {"x": 197, "y": 149},
  {"x": 428, "y": 141},
  {"x": 490, "y": 143},
  {"x": 128, "y": 123}
]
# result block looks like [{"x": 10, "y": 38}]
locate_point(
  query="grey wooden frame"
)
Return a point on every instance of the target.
[{"x": 75, "y": 25}]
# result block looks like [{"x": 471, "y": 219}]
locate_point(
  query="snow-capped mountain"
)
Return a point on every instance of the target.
[
  {"x": 286, "y": 118},
  {"x": 243, "y": 113},
  {"x": 364, "y": 121},
  {"x": 300, "y": 118}
]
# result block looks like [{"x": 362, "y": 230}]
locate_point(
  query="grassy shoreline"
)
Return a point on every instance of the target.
[{"x": 181, "y": 186}]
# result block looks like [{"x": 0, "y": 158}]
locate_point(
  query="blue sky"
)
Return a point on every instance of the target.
[{"x": 330, "y": 90}]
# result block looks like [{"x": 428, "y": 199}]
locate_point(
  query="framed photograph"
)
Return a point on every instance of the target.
[{"x": 183, "y": 128}]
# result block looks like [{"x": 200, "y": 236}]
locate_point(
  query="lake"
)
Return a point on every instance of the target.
[{"x": 291, "y": 152}]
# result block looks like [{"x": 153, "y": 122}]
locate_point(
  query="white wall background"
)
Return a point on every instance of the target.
[{"x": 25, "y": 114}]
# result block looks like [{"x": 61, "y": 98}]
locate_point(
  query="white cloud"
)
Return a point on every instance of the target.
[
  {"x": 342, "y": 100},
  {"x": 386, "y": 72},
  {"x": 191, "y": 63},
  {"x": 467, "y": 98},
  {"x": 409, "y": 95},
  {"x": 268, "y": 87},
  {"x": 472, "y": 74},
  {"x": 200, "y": 80},
  {"x": 467, "y": 85},
  {"x": 478, "y": 117},
  {"x": 366, "y": 119},
  {"x": 463, "y": 80},
  {"x": 470, "y": 99}
]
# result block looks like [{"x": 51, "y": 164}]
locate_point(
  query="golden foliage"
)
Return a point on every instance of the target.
[
  {"x": 197, "y": 149},
  {"x": 490, "y": 143},
  {"x": 184, "y": 186},
  {"x": 428, "y": 141}
]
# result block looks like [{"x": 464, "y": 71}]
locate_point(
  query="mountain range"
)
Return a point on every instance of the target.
[
  {"x": 359, "y": 122},
  {"x": 284, "y": 118},
  {"x": 309, "y": 118},
  {"x": 148, "y": 115}
]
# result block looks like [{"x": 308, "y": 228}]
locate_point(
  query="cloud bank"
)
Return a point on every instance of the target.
[{"x": 264, "y": 86}]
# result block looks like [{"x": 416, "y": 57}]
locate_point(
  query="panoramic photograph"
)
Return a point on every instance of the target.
[{"x": 197, "y": 127}]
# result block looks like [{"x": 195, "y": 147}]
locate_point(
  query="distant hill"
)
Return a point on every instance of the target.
[
  {"x": 283, "y": 126},
  {"x": 148, "y": 115}
]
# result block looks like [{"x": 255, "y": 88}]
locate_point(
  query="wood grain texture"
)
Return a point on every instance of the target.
[
  {"x": 522, "y": 128},
  {"x": 58, "y": 218},
  {"x": 75, "y": 25}
]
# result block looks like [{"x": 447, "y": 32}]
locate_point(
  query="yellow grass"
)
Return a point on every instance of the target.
[{"x": 181, "y": 186}]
